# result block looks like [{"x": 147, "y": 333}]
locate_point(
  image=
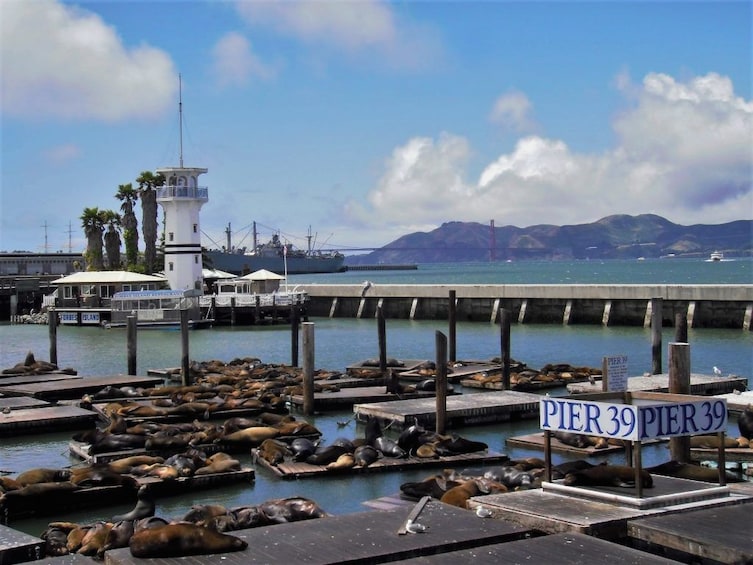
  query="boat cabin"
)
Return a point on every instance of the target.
[{"x": 155, "y": 307}]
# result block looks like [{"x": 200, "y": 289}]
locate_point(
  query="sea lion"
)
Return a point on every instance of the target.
[
  {"x": 42, "y": 475},
  {"x": 252, "y": 437},
  {"x": 410, "y": 436},
  {"x": 144, "y": 508},
  {"x": 73, "y": 542},
  {"x": 373, "y": 431},
  {"x": 116, "y": 442},
  {"x": 459, "y": 495},
  {"x": 94, "y": 540},
  {"x": 220, "y": 465},
  {"x": 435, "y": 486},
  {"x": 691, "y": 471},
  {"x": 249, "y": 517},
  {"x": 125, "y": 464},
  {"x": 711, "y": 441},
  {"x": 511, "y": 477},
  {"x": 202, "y": 512},
  {"x": 608, "y": 475},
  {"x": 291, "y": 509},
  {"x": 8, "y": 483},
  {"x": 580, "y": 441},
  {"x": 345, "y": 461},
  {"x": 55, "y": 540},
  {"x": 365, "y": 455},
  {"x": 389, "y": 448},
  {"x": 273, "y": 451},
  {"x": 559, "y": 471},
  {"x": 302, "y": 448},
  {"x": 745, "y": 422},
  {"x": 178, "y": 540},
  {"x": 326, "y": 454},
  {"x": 119, "y": 536},
  {"x": 456, "y": 445}
]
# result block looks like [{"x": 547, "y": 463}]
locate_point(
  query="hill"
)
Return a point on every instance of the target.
[{"x": 613, "y": 237}]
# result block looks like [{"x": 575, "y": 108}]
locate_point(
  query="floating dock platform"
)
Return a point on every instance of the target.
[
  {"x": 347, "y": 397},
  {"x": 302, "y": 470},
  {"x": 72, "y": 389},
  {"x": 699, "y": 384},
  {"x": 462, "y": 409},
  {"x": 44, "y": 418}
]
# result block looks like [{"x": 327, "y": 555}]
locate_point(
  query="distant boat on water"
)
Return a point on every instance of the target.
[
  {"x": 275, "y": 256},
  {"x": 715, "y": 256}
]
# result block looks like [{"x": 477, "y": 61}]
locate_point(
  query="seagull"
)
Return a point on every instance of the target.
[
  {"x": 591, "y": 380},
  {"x": 717, "y": 371},
  {"x": 366, "y": 286}
]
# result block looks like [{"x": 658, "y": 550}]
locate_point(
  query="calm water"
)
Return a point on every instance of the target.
[{"x": 341, "y": 342}]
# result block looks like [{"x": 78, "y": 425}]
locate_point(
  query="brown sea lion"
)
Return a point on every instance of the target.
[
  {"x": 608, "y": 475},
  {"x": 8, "y": 483},
  {"x": 274, "y": 451},
  {"x": 94, "y": 540},
  {"x": 73, "y": 542},
  {"x": 144, "y": 508},
  {"x": 711, "y": 441},
  {"x": 178, "y": 540},
  {"x": 119, "y": 536},
  {"x": 459, "y": 495},
  {"x": 365, "y": 455},
  {"x": 219, "y": 466},
  {"x": 291, "y": 509},
  {"x": 253, "y": 436},
  {"x": 42, "y": 475},
  {"x": 125, "y": 464},
  {"x": 691, "y": 471},
  {"x": 203, "y": 512},
  {"x": 344, "y": 461}
]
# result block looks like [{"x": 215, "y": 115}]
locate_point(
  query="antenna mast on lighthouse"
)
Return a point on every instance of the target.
[{"x": 180, "y": 117}]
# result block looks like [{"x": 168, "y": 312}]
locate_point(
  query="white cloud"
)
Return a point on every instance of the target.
[
  {"x": 235, "y": 63},
  {"x": 62, "y": 154},
  {"x": 512, "y": 112},
  {"x": 62, "y": 61},
  {"x": 353, "y": 28},
  {"x": 683, "y": 151}
]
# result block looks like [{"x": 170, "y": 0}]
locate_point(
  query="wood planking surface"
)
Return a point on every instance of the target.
[
  {"x": 724, "y": 533},
  {"x": 349, "y": 396},
  {"x": 350, "y": 538},
  {"x": 536, "y": 441},
  {"x": 16, "y": 402},
  {"x": 699, "y": 384},
  {"x": 58, "y": 417},
  {"x": 43, "y": 378},
  {"x": 71, "y": 389},
  {"x": 571, "y": 548},
  {"x": 478, "y": 408},
  {"x": 299, "y": 470}
]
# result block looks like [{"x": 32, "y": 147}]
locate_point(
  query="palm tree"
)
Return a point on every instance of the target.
[
  {"x": 92, "y": 220},
  {"x": 112, "y": 239},
  {"x": 148, "y": 184},
  {"x": 128, "y": 196}
]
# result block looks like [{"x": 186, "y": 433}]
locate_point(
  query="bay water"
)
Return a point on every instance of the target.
[{"x": 341, "y": 342}]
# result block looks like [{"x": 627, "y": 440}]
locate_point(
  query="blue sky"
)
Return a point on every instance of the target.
[{"x": 369, "y": 120}]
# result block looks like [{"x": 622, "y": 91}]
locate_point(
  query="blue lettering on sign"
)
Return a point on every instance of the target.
[
  {"x": 669, "y": 420},
  {"x": 593, "y": 412}
]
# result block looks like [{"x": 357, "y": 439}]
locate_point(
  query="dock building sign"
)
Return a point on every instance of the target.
[{"x": 636, "y": 422}]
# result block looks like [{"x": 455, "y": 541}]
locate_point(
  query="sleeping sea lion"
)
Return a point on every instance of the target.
[
  {"x": 745, "y": 423},
  {"x": 42, "y": 475},
  {"x": 178, "y": 540},
  {"x": 608, "y": 475},
  {"x": 291, "y": 509}
]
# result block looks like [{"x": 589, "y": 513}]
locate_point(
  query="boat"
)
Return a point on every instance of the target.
[
  {"x": 156, "y": 308},
  {"x": 275, "y": 256},
  {"x": 716, "y": 256}
]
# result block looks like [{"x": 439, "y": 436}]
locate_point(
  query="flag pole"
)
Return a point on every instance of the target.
[{"x": 285, "y": 263}]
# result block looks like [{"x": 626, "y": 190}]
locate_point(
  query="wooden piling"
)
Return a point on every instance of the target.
[
  {"x": 505, "y": 318},
  {"x": 308, "y": 368},
  {"x": 681, "y": 328},
  {"x": 52, "y": 322},
  {"x": 185, "y": 369},
  {"x": 441, "y": 382},
  {"x": 131, "y": 343},
  {"x": 452, "y": 318},
  {"x": 656, "y": 324},
  {"x": 381, "y": 330},
  {"x": 679, "y": 383}
]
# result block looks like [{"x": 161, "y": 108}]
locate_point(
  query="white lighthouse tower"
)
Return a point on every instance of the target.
[{"x": 181, "y": 198}]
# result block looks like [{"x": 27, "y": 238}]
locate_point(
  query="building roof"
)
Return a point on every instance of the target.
[
  {"x": 216, "y": 274},
  {"x": 262, "y": 275},
  {"x": 107, "y": 277}
]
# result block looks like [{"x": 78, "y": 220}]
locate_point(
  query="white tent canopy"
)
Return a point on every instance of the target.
[
  {"x": 216, "y": 274},
  {"x": 262, "y": 275},
  {"x": 108, "y": 277}
]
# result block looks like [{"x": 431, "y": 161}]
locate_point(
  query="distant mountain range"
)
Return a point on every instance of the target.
[{"x": 613, "y": 237}]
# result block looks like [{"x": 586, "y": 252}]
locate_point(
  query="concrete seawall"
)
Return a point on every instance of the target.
[{"x": 705, "y": 306}]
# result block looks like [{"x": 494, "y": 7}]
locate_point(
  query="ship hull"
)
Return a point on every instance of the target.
[{"x": 240, "y": 264}]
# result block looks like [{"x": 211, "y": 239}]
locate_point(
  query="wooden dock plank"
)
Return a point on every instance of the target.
[
  {"x": 723, "y": 533},
  {"x": 43, "y": 378},
  {"x": 462, "y": 410},
  {"x": 737, "y": 401},
  {"x": 699, "y": 384},
  {"x": 352, "y": 538},
  {"x": 72, "y": 389},
  {"x": 18, "y": 547},
  {"x": 16, "y": 402},
  {"x": 347, "y": 397},
  {"x": 731, "y": 454},
  {"x": 564, "y": 549},
  {"x": 44, "y": 419},
  {"x": 456, "y": 373},
  {"x": 302, "y": 470}
]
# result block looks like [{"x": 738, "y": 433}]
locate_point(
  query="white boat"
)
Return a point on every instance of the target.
[
  {"x": 156, "y": 308},
  {"x": 715, "y": 256}
]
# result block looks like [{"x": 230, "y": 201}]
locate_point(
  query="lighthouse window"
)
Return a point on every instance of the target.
[
  {"x": 171, "y": 236},
  {"x": 195, "y": 228},
  {"x": 171, "y": 265},
  {"x": 196, "y": 259}
]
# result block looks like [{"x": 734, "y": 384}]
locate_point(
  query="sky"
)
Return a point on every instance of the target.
[{"x": 364, "y": 121}]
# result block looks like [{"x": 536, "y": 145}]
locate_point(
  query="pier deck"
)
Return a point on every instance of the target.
[
  {"x": 72, "y": 389},
  {"x": 360, "y": 537},
  {"x": 347, "y": 397},
  {"x": 699, "y": 384},
  {"x": 536, "y": 441},
  {"x": 302, "y": 470},
  {"x": 462, "y": 409},
  {"x": 13, "y": 380},
  {"x": 45, "y": 419},
  {"x": 722, "y": 534},
  {"x": 738, "y": 401}
]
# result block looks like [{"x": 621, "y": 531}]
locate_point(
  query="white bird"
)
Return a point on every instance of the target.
[
  {"x": 366, "y": 286},
  {"x": 717, "y": 371}
]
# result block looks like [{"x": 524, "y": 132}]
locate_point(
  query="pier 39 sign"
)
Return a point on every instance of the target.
[{"x": 636, "y": 422}]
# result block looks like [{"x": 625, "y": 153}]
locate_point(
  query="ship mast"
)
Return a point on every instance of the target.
[{"x": 180, "y": 117}]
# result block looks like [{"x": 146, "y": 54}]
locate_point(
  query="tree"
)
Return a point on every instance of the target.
[
  {"x": 93, "y": 222},
  {"x": 112, "y": 239},
  {"x": 148, "y": 184},
  {"x": 128, "y": 196}
]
